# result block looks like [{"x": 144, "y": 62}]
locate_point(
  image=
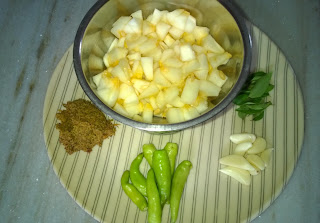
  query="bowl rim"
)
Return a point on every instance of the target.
[{"x": 247, "y": 42}]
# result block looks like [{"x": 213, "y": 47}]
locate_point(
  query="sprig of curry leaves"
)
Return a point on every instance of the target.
[{"x": 252, "y": 98}]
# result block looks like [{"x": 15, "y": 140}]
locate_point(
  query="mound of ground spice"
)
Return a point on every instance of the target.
[{"x": 82, "y": 126}]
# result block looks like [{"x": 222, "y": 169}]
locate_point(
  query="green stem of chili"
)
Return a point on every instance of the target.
[
  {"x": 132, "y": 192},
  {"x": 178, "y": 182},
  {"x": 137, "y": 179}
]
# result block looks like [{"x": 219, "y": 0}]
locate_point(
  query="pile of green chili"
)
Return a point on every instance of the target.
[{"x": 164, "y": 184}]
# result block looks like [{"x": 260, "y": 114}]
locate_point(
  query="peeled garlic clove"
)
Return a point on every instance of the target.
[
  {"x": 258, "y": 146},
  {"x": 242, "y": 148},
  {"x": 243, "y": 176},
  {"x": 256, "y": 161},
  {"x": 266, "y": 156},
  {"x": 236, "y": 161},
  {"x": 242, "y": 137}
]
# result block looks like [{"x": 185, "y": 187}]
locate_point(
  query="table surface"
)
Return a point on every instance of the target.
[{"x": 34, "y": 36}]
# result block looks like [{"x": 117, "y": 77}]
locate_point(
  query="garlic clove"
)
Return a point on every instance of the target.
[
  {"x": 236, "y": 161},
  {"x": 243, "y": 176}
]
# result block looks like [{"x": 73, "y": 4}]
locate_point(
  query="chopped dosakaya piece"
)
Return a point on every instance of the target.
[
  {"x": 95, "y": 64},
  {"x": 209, "y": 88},
  {"x": 160, "y": 79},
  {"x": 175, "y": 115},
  {"x": 190, "y": 90},
  {"x": 140, "y": 85},
  {"x": 133, "y": 26},
  {"x": 162, "y": 30},
  {"x": 165, "y": 66},
  {"x": 151, "y": 90},
  {"x": 200, "y": 33},
  {"x": 137, "y": 14},
  {"x": 217, "y": 77},
  {"x": 147, "y": 66},
  {"x": 176, "y": 33},
  {"x": 211, "y": 45},
  {"x": 189, "y": 112},
  {"x": 186, "y": 53},
  {"x": 147, "y": 114},
  {"x": 218, "y": 59}
]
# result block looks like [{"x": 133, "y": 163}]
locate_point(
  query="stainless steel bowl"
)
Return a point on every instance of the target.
[{"x": 222, "y": 18}]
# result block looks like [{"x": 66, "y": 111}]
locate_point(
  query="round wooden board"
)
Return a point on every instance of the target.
[{"x": 93, "y": 180}]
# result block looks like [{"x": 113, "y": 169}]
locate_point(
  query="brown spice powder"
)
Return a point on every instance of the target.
[{"x": 83, "y": 126}]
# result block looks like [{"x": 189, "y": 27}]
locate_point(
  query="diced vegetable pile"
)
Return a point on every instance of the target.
[{"x": 163, "y": 66}]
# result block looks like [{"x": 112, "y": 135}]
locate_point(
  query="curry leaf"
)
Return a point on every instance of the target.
[
  {"x": 258, "y": 116},
  {"x": 261, "y": 106},
  {"x": 270, "y": 88},
  {"x": 260, "y": 86},
  {"x": 251, "y": 99},
  {"x": 242, "y": 115},
  {"x": 241, "y": 99},
  {"x": 257, "y": 75},
  {"x": 247, "y": 110}
]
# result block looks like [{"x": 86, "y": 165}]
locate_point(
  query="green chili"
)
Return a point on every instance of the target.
[
  {"x": 137, "y": 179},
  {"x": 155, "y": 209},
  {"x": 172, "y": 150},
  {"x": 132, "y": 192},
  {"x": 178, "y": 181},
  {"x": 162, "y": 171},
  {"x": 148, "y": 150}
]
